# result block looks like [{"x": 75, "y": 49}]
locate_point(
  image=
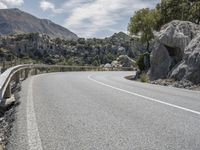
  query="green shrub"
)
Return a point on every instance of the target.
[{"x": 144, "y": 77}]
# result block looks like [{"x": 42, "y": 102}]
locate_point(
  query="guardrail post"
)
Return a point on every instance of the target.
[
  {"x": 17, "y": 77},
  {"x": 47, "y": 70},
  {"x": 7, "y": 93},
  {"x": 36, "y": 71},
  {"x": 21, "y": 74},
  {"x": 26, "y": 73},
  {"x": 61, "y": 69}
]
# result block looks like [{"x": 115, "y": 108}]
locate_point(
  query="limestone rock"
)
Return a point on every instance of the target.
[
  {"x": 189, "y": 69},
  {"x": 107, "y": 65},
  {"x": 121, "y": 50},
  {"x": 125, "y": 61},
  {"x": 170, "y": 51},
  {"x": 160, "y": 62},
  {"x": 178, "y": 34},
  {"x": 115, "y": 64}
]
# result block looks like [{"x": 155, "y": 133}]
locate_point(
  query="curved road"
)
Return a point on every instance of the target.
[{"x": 104, "y": 111}]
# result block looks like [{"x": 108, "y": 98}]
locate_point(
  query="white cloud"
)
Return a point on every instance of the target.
[
  {"x": 46, "y": 5},
  {"x": 2, "y": 6},
  {"x": 87, "y": 17},
  {"x": 13, "y": 2},
  {"x": 10, "y": 3},
  {"x": 71, "y": 4},
  {"x": 101, "y": 15}
]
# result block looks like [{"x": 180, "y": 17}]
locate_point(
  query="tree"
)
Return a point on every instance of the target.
[
  {"x": 143, "y": 62},
  {"x": 143, "y": 23},
  {"x": 185, "y": 10},
  {"x": 195, "y": 11}
]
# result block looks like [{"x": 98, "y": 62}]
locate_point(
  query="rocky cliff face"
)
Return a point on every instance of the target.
[
  {"x": 15, "y": 21},
  {"x": 176, "y": 52},
  {"x": 82, "y": 51}
]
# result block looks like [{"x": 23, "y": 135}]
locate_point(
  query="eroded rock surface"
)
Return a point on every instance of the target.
[
  {"x": 176, "y": 52},
  {"x": 123, "y": 61},
  {"x": 189, "y": 68}
]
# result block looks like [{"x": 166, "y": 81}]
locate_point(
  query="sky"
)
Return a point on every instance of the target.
[{"x": 86, "y": 18}]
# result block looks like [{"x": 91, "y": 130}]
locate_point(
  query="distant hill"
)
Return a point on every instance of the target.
[
  {"x": 15, "y": 21},
  {"x": 120, "y": 36}
]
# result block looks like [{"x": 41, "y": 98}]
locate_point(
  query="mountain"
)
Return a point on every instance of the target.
[
  {"x": 120, "y": 36},
  {"x": 15, "y": 21}
]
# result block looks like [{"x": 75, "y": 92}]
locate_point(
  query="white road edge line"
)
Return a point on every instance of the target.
[
  {"x": 34, "y": 140},
  {"x": 145, "y": 97}
]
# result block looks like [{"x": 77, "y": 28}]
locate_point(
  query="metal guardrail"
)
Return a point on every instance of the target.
[
  {"x": 16, "y": 73},
  {"x": 7, "y": 77},
  {"x": 8, "y": 64}
]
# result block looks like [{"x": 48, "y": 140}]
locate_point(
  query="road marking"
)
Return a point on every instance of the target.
[
  {"x": 145, "y": 97},
  {"x": 34, "y": 140}
]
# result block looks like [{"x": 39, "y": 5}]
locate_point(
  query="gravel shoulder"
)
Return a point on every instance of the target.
[{"x": 184, "y": 84}]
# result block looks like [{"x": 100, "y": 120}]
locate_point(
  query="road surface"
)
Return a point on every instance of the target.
[{"x": 104, "y": 111}]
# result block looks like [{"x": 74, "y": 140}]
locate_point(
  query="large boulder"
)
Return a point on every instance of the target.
[
  {"x": 125, "y": 61},
  {"x": 160, "y": 62},
  {"x": 121, "y": 50},
  {"x": 178, "y": 34},
  {"x": 170, "y": 47},
  {"x": 189, "y": 68},
  {"x": 107, "y": 65}
]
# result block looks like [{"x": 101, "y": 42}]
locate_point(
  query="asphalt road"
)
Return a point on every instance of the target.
[{"x": 104, "y": 111}]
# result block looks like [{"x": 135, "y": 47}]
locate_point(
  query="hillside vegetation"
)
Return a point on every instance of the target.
[{"x": 42, "y": 48}]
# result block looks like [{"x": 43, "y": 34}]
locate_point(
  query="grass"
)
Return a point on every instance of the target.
[{"x": 144, "y": 78}]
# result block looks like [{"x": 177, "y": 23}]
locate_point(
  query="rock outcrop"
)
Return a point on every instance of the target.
[
  {"x": 189, "y": 68},
  {"x": 107, "y": 65},
  {"x": 176, "y": 52},
  {"x": 123, "y": 61},
  {"x": 126, "y": 61},
  {"x": 78, "y": 52}
]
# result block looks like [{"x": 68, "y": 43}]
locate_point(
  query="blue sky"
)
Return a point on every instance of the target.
[{"x": 86, "y": 18}]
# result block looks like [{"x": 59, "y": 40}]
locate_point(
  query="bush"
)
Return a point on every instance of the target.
[
  {"x": 144, "y": 78},
  {"x": 95, "y": 63},
  {"x": 49, "y": 61}
]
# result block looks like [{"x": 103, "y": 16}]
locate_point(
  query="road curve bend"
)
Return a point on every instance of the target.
[{"x": 104, "y": 111}]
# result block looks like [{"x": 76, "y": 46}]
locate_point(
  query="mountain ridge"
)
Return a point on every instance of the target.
[{"x": 15, "y": 21}]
